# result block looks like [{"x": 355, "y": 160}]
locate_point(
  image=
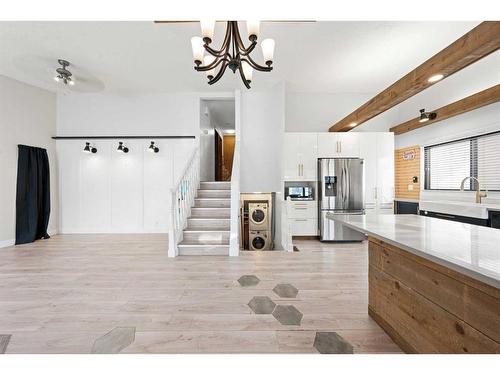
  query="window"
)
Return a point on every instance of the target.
[{"x": 447, "y": 164}]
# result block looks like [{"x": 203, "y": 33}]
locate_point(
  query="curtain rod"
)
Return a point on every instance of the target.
[{"x": 128, "y": 137}]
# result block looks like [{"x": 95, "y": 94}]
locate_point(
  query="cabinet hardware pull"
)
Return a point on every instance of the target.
[
  {"x": 300, "y": 219},
  {"x": 301, "y": 208},
  {"x": 340, "y": 147}
]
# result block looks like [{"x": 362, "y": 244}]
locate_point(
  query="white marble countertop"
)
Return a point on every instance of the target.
[{"x": 469, "y": 249}]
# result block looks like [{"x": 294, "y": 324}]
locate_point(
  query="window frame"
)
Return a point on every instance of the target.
[{"x": 474, "y": 167}]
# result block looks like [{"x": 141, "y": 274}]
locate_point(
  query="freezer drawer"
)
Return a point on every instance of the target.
[
  {"x": 304, "y": 227},
  {"x": 331, "y": 230}
]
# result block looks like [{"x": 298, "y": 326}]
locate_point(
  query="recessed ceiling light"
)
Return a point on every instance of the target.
[
  {"x": 435, "y": 78},
  {"x": 230, "y": 131},
  {"x": 353, "y": 124}
]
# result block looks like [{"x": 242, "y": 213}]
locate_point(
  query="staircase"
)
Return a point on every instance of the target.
[{"x": 208, "y": 227}]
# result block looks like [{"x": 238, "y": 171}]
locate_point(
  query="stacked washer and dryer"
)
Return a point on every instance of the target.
[{"x": 259, "y": 225}]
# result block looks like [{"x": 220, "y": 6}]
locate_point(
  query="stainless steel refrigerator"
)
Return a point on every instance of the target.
[{"x": 340, "y": 192}]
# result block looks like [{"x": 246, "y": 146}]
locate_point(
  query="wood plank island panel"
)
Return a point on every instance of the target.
[
  {"x": 407, "y": 166},
  {"x": 428, "y": 308}
]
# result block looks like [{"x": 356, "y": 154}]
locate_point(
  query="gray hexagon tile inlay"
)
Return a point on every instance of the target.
[
  {"x": 287, "y": 315},
  {"x": 114, "y": 341},
  {"x": 248, "y": 280},
  {"x": 286, "y": 290},
  {"x": 4, "y": 341},
  {"x": 332, "y": 343},
  {"x": 262, "y": 305}
]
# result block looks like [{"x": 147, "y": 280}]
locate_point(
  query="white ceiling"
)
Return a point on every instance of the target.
[{"x": 132, "y": 57}]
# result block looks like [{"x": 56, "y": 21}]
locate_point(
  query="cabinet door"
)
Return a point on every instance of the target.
[
  {"x": 348, "y": 145},
  {"x": 290, "y": 157},
  {"x": 308, "y": 155},
  {"x": 368, "y": 152},
  {"x": 385, "y": 170},
  {"x": 328, "y": 146}
]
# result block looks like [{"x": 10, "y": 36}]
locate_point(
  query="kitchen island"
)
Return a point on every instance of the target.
[{"x": 434, "y": 285}]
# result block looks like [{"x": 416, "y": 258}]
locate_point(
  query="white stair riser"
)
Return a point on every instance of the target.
[
  {"x": 204, "y": 250},
  {"x": 224, "y": 203},
  {"x": 221, "y": 224},
  {"x": 214, "y": 194},
  {"x": 216, "y": 185},
  {"x": 211, "y": 212},
  {"x": 206, "y": 237}
]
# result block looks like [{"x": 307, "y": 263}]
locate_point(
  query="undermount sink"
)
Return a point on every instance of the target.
[{"x": 468, "y": 209}]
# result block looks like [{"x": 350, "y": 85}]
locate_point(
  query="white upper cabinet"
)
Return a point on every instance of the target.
[
  {"x": 338, "y": 145},
  {"x": 300, "y": 156}
]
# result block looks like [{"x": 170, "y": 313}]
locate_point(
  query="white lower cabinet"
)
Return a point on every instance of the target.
[
  {"x": 304, "y": 227},
  {"x": 304, "y": 218}
]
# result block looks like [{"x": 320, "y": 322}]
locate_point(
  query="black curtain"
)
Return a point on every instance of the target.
[{"x": 33, "y": 194}]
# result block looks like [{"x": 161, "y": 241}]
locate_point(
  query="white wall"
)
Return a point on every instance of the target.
[
  {"x": 27, "y": 116},
  {"x": 261, "y": 142},
  {"x": 207, "y": 144}
]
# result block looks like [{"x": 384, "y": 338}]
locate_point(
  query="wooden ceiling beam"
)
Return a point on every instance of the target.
[
  {"x": 471, "y": 47},
  {"x": 474, "y": 101}
]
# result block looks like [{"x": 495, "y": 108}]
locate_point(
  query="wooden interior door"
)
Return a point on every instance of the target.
[
  {"x": 218, "y": 157},
  {"x": 227, "y": 156}
]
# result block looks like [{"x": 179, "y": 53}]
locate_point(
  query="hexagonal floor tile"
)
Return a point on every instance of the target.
[
  {"x": 287, "y": 315},
  {"x": 4, "y": 341},
  {"x": 286, "y": 290},
  {"x": 331, "y": 343},
  {"x": 248, "y": 280},
  {"x": 114, "y": 341},
  {"x": 262, "y": 305}
]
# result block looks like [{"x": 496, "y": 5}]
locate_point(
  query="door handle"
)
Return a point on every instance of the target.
[
  {"x": 340, "y": 147},
  {"x": 375, "y": 193},
  {"x": 298, "y": 166}
]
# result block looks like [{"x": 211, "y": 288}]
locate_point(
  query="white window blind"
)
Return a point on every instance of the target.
[
  {"x": 448, "y": 163},
  {"x": 488, "y": 161}
]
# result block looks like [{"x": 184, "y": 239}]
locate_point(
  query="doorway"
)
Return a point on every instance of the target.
[{"x": 217, "y": 140}]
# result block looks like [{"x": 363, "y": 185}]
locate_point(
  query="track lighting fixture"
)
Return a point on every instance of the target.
[
  {"x": 122, "y": 148},
  {"x": 426, "y": 116},
  {"x": 153, "y": 148},
  {"x": 63, "y": 74},
  {"x": 89, "y": 149}
]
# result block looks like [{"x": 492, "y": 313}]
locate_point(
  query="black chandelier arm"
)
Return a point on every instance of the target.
[
  {"x": 241, "y": 46},
  {"x": 256, "y": 66},
  {"x": 212, "y": 65},
  {"x": 219, "y": 74},
  {"x": 227, "y": 40},
  {"x": 243, "y": 78}
]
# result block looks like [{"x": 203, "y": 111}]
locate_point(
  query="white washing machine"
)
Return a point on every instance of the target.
[
  {"x": 259, "y": 240},
  {"x": 258, "y": 215}
]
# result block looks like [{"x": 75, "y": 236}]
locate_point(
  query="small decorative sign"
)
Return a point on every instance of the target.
[{"x": 409, "y": 155}]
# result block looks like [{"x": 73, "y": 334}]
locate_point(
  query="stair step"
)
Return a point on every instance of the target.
[
  {"x": 210, "y": 212},
  {"x": 215, "y": 185},
  {"x": 214, "y": 193},
  {"x": 212, "y": 202},
  {"x": 208, "y": 224},
  {"x": 212, "y": 249},
  {"x": 206, "y": 236}
]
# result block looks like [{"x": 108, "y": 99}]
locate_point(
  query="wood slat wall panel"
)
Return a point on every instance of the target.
[{"x": 404, "y": 172}]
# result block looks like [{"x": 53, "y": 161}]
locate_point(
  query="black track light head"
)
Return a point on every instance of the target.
[
  {"x": 426, "y": 116},
  {"x": 153, "y": 148},
  {"x": 89, "y": 148}
]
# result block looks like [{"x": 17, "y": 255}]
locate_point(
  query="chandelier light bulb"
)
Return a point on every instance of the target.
[
  {"x": 198, "y": 49},
  {"x": 71, "y": 82},
  {"x": 253, "y": 28},
  {"x": 57, "y": 78},
  {"x": 247, "y": 71},
  {"x": 207, "y": 30},
  {"x": 268, "y": 50},
  {"x": 207, "y": 60}
]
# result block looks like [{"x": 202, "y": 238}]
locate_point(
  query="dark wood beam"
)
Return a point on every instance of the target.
[
  {"x": 471, "y": 47},
  {"x": 477, "y": 100}
]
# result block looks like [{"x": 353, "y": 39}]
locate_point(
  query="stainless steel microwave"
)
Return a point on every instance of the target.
[{"x": 299, "y": 192}]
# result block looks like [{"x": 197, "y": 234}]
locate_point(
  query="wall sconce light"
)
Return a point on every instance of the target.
[
  {"x": 122, "y": 148},
  {"x": 89, "y": 149},
  {"x": 426, "y": 116},
  {"x": 153, "y": 148}
]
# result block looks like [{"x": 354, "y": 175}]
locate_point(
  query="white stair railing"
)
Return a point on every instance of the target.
[
  {"x": 234, "y": 237},
  {"x": 182, "y": 197}
]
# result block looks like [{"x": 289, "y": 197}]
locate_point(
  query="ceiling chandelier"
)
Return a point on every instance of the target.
[
  {"x": 63, "y": 74},
  {"x": 232, "y": 52}
]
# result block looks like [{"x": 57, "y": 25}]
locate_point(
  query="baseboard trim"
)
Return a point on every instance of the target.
[{"x": 7, "y": 243}]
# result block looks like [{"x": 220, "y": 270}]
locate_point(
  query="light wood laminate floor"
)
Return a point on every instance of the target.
[{"x": 61, "y": 295}]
